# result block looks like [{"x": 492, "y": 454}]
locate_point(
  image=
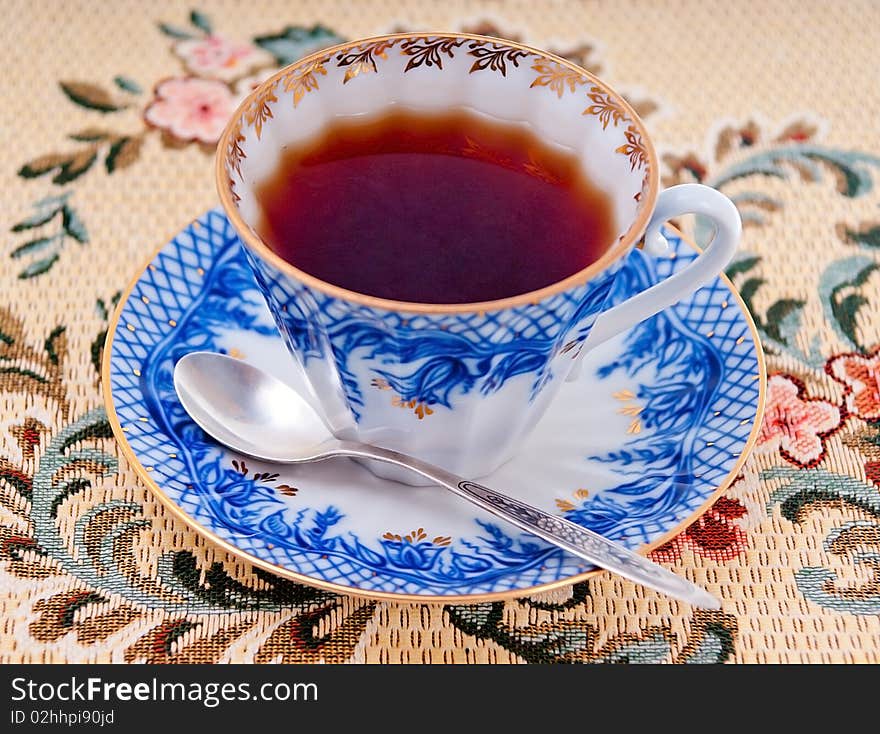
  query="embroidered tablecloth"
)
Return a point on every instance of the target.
[{"x": 109, "y": 116}]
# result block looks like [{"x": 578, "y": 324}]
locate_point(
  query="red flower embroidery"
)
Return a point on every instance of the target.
[
  {"x": 872, "y": 472},
  {"x": 860, "y": 376},
  {"x": 795, "y": 424},
  {"x": 715, "y": 535}
]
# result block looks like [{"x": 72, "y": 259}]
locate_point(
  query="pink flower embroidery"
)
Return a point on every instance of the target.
[
  {"x": 860, "y": 376},
  {"x": 218, "y": 57},
  {"x": 191, "y": 109},
  {"x": 795, "y": 424}
]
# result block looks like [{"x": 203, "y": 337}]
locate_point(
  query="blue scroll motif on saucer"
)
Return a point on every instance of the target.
[{"x": 683, "y": 388}]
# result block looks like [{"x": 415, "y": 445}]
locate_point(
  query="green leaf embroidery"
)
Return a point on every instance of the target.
[
  {"x": 90, "y": 96},
  {"x": 294, "y": 42},
  {"x": 127, "y": 85},
  {"x": 838, "y": 291},
  {"x": 803, "y": 490},
  {"x": 748, "y": 289},
  {"x": 784, "y": 319},
  {"x": 97, "y": 349},
  {"x": 35, "y": 220},
  {"x": 50, "y": 344},
  {"x": 867, "y": 236},
  {"x": 41, "y": 243},
  {"x": 174, "y": 31},
  {"x": 73, "y": 225},
  {"x": 200, "y": 20},
  {"x": 850, "y": 168},
  {"x": 70, "y": 488},
  {"x": 38, "y": 268},
  {"x": 46, "y": 210},
  {"x": 742, "y": 265}
]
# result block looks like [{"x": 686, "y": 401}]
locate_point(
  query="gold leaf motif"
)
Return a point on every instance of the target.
[
  {"x": 635, "y": 427},
  {"x": 565, "y": 505},
  {"x": 494, "y": 56},
  {"x": 630, "y": 410},
  {"x": 634, "y": 148},
  {"x": 259, "y": 110},
  {"x": 623, "y": 395},
  {"x": 304, "y": 80},
  {"x": 421, "y": 409},
  {"x": 235, "y": 153},
  {"x": 604, "y": 107},
  {"x": 556, "y": 77},
  {"x": 363, "y": 60},
  {"x": 426, "y": 52},
  {"x": 414, "y": 537}
]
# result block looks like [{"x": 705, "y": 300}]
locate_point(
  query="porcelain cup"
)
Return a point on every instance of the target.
[{"x": 459, "y": 385}]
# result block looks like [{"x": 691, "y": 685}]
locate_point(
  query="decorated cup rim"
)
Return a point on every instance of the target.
[{"x": 615, "y": 252}]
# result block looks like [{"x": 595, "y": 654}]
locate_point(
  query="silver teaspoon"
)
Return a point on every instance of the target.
[{"x": 253, "y": 413}]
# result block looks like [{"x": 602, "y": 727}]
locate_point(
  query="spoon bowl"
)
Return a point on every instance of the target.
[{"x": 249, "y": 410}]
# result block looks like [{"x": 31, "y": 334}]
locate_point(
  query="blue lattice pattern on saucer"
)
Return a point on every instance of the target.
[{"x": 200, "y": 285}]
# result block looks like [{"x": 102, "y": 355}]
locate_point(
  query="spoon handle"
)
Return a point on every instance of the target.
[{"x": 556, "y": 530}]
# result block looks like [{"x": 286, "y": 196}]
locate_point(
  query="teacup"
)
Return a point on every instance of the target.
[{"x": 459, "y": 385}]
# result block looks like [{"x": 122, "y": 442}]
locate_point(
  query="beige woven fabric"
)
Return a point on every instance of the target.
[{"x": 782, "y": 94}]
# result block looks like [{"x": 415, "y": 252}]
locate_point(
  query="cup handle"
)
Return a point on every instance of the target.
[{"x": 673, "y": 202}]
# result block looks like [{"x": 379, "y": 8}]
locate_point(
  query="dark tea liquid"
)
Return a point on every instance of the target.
[{"x": 433, "y": 208}]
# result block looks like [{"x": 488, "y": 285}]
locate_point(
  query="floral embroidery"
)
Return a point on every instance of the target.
[
  {"x": 219, "y": 57},
  {"x": 191, "y": 109},
  {"x": 796, "y": 425},
  {"x": 860, "y": 376},
  {"x": 715, "y": 535}
]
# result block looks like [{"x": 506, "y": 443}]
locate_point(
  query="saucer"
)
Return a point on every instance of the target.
[{"x": 657, "y": 426}]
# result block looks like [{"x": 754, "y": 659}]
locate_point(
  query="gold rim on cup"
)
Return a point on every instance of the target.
[{"x": 620, "y": 248}]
